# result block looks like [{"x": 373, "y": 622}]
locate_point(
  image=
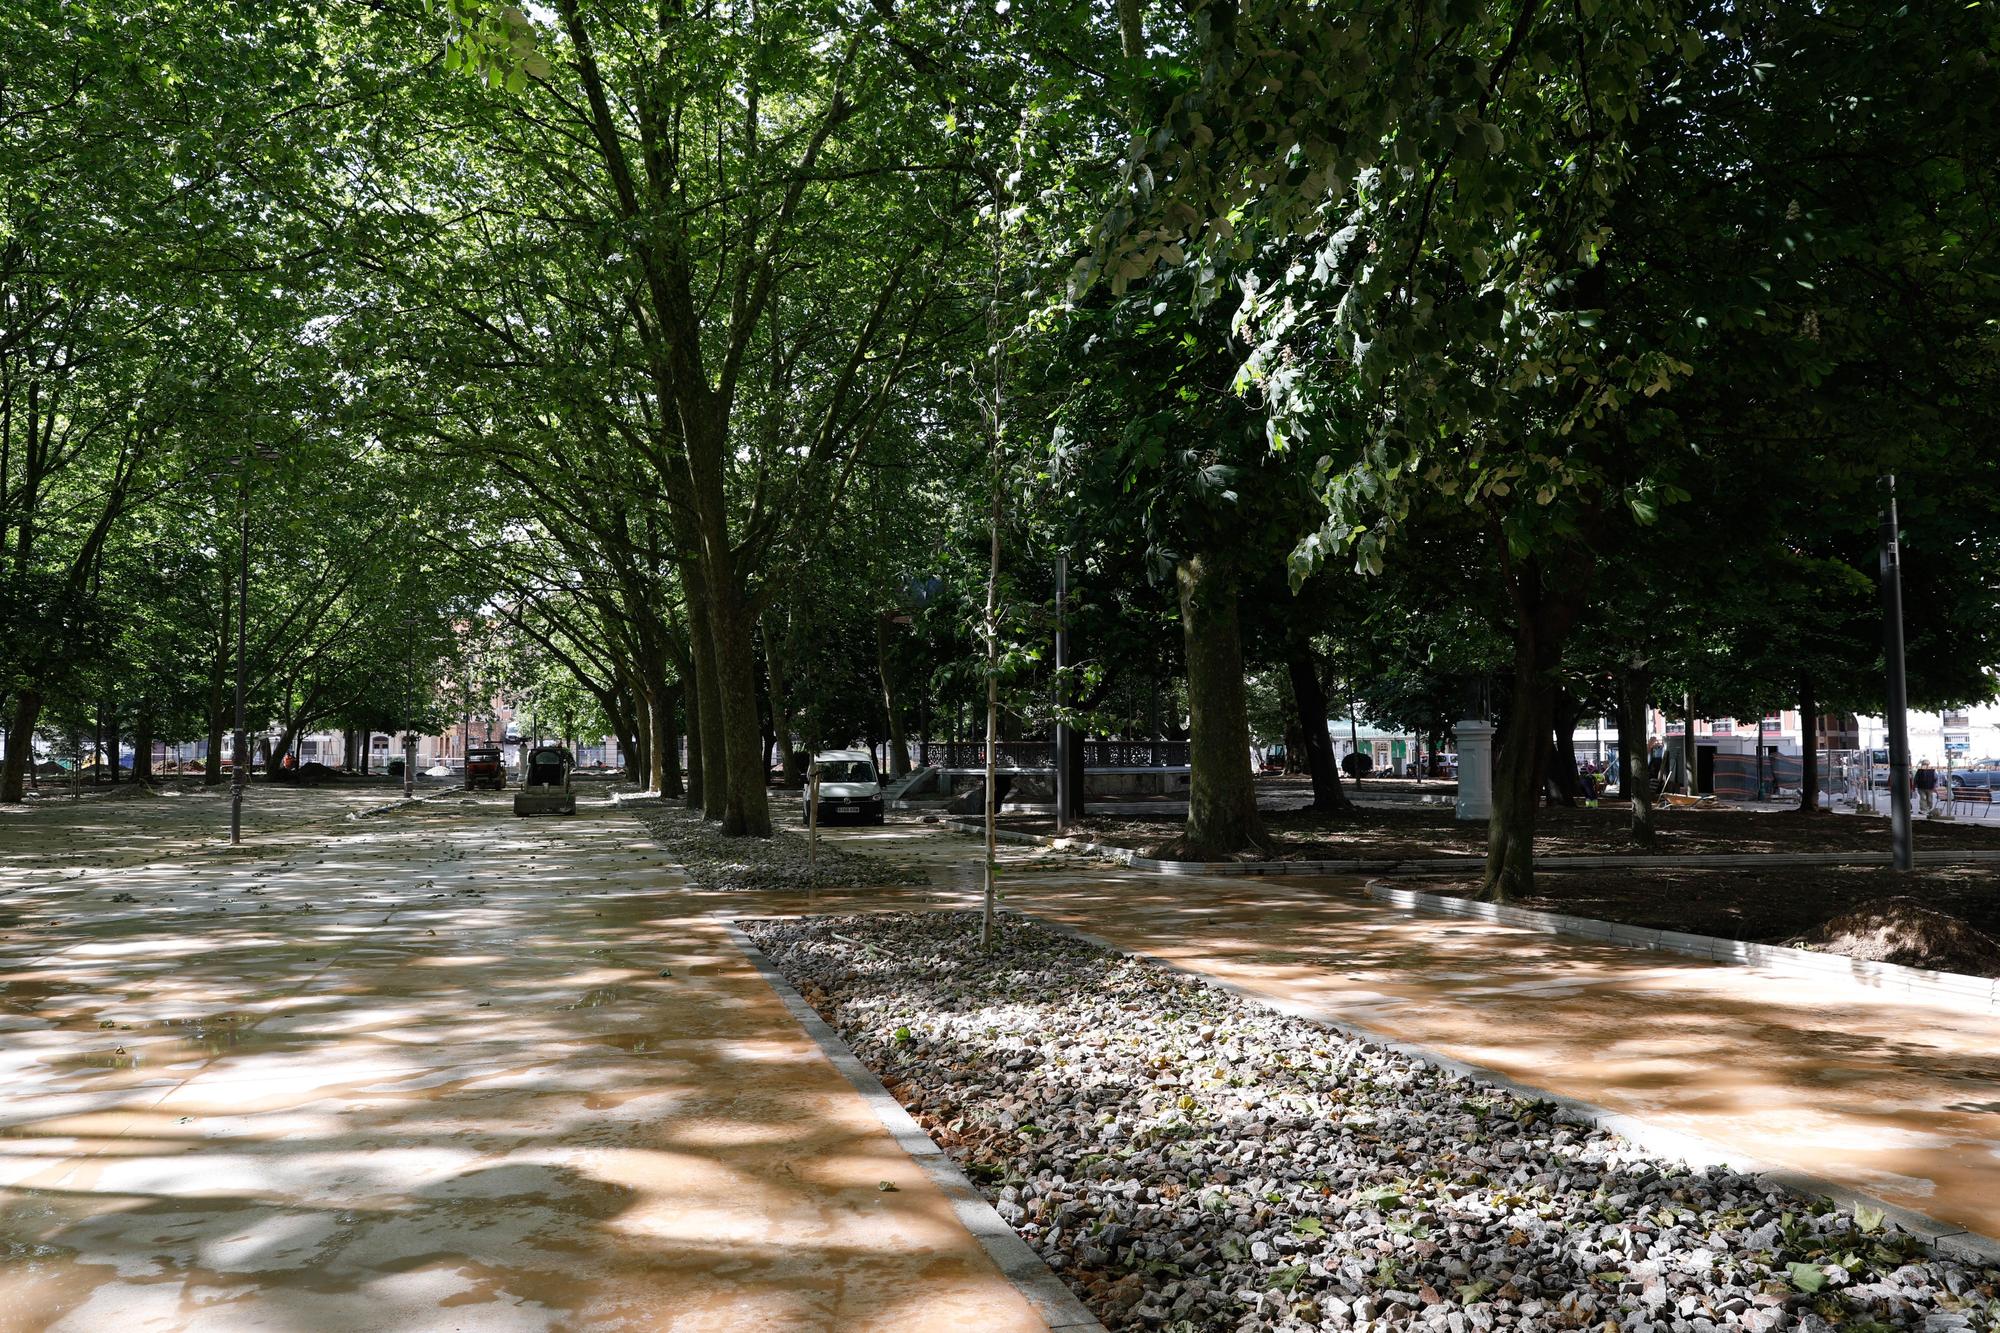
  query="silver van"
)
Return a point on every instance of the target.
[{"x": 849, "y": 787}]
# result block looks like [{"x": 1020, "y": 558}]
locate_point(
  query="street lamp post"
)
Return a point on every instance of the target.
[{"x": 1897, "y": 721}]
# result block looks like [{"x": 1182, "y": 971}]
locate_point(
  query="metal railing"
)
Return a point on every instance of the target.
[{"x": 1018, "y": 755}]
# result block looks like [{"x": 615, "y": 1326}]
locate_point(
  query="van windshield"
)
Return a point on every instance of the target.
[{"x": 845, "y": 770}]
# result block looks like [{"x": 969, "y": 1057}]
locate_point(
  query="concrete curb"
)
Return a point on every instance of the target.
[
  {"x": 1123, "y": 855},
  {"x": 1945, "y": 1239},
  {"x": 1952, "y": 989},
  {"x": 1469, "y": 863},
  {"x": 1057, "y": 1305}
]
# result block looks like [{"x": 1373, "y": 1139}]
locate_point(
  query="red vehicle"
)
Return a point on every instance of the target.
[{"x": 483, "y": 768}]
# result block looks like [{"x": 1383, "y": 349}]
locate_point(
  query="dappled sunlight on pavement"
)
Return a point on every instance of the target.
[
  {"x": 438, "y": 1069},
  {"x": 1897, "y": 1099}
]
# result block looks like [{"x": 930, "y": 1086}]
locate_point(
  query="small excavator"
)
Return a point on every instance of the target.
[{"x": 545, "y": 789}]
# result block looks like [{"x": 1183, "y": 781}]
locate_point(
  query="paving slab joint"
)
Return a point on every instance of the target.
[
  {"x": 1954, "y": 989},
  {"x": 1945, "y": 1239},
  {"x": 1030, "y": 1275}
]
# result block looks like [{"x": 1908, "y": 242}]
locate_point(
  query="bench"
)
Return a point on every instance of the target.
[{"x": 1972, "y": 796}]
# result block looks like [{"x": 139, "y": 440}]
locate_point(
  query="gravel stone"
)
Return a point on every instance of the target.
[{"x": 1187, "y": 1160}]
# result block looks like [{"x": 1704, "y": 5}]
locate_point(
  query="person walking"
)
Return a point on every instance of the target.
[{"x": 1926, "y": 787}]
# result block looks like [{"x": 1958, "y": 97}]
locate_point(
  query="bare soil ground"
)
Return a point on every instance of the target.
[
  {"x": 1944, "y": 917},
  {"x": 1396, "y": 835}
]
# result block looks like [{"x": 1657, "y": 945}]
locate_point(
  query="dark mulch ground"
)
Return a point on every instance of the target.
[
  {"x": 781, "y": 861},
  {"x": 1839, "y": 909},
  {"x": 1394, "y": 835}
]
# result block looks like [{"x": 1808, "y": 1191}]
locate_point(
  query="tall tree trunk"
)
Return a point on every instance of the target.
[
  {"x": 667, "y": 742},
  {"x": 1222, "y": 798},
  {"x": 1078, "y": 772},
  {"x": 20, "y": 746},
  {"x": 1309, "y": 699},
  {"x": 636, "y": 739},
  {"x": 747, "y": 810},
  {"x": 1808, "y": 745},
  {"x": 211, "y": 769},
  {"x": 661, "y": 743},
  {"x": 892, "y": 708},
  {"x": 1132, "y": 28},
  {"x": 1635, "y": 778},
  {"x": 111, "y": 737},
  {"x": 1562, "y": 750},
  {"x": 776, "y": 658},
  {"x": 697, "y": 763},
  {"x": 218, "y": 676},
  {"x": 710, "y": 791},
  {"x": 653, "y": 725},
  {"x": 1541, "y": 624},
  {"x": 367, "y": 751},
  {"x": 142, "y": 744},
  {"x": 1518, "y": 770}
]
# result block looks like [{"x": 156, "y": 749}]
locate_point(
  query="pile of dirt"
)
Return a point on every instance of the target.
[
  {"x": 1903, "y": 930},
  {"x": 309, "y": 774}
]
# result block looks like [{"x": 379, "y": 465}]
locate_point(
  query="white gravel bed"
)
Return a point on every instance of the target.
[
  {"x": 1186, "y": 1160},
  {"x": 781, "y": 861}
]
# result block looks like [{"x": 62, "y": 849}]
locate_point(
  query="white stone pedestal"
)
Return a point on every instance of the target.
[{"x": 1475, "y": 770}]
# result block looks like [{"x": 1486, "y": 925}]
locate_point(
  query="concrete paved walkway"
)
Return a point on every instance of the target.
[
  {"x": 1898, "y": 1100},
  {"x": 427, "y": 1072}
]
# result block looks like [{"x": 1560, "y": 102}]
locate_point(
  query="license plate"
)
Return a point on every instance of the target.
[{"x": 847, "y": 809}]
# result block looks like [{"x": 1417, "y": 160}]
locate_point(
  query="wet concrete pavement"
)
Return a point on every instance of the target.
[
  {"x": 1899, "y": 1100},
  {"x": 442, "y": 1070}
]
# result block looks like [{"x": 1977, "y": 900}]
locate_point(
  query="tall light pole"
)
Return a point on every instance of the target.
[{"x": 1897, "y": 721}]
